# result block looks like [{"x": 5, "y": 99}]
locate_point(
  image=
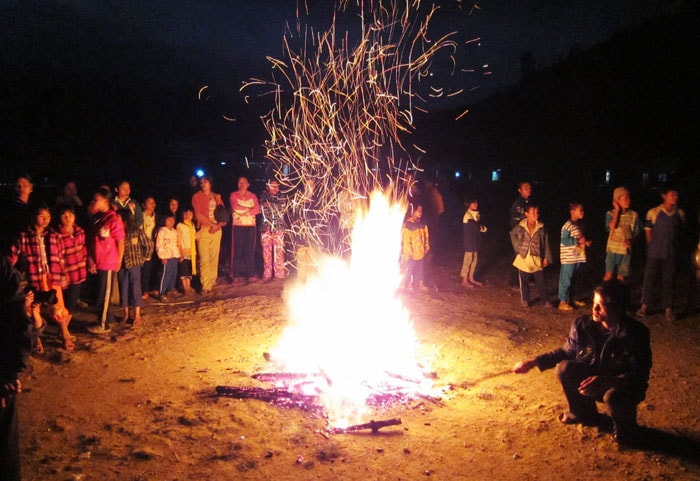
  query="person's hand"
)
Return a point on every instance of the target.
[
  {"x": 595, "y": 386},
  {"x": 545, "y": 262},
  {"x": 616, "y": 205},
  {"x": 524, "y": 366},
  {"x": 164, "y": 261},
  {"x": 9, "y": 388},
  {"x": 29, "y": 301}
]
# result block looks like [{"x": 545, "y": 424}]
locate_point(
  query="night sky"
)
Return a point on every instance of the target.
[{"x": 112, "y": 83}]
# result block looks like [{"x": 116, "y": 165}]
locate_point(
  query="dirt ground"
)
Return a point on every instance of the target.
[{"x": 140, "y": 404}]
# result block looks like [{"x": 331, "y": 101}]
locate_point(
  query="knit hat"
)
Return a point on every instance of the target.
[{"x": 619, "y": 192}]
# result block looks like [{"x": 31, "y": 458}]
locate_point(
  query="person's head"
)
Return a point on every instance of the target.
[
  {"x": 24, "y": 187},
  {"x": 273, "y": 187},
  {"x": 205, "y": 184},
  {"x": 169, "y": 221},
  {"x": 41, "y": 216},
  {"x": 67, "y": 216},
  {"x": 532, "y": 213},
  {"x": 610, "y": 302},
  {"x": 149, "y": 204},
  {"x": 173, "y": 205},
  {"x": 243, "y": 184},
  {"x": 70, "y": 189},
  {"x": 472, "y": 203},
  {"x": 669, "y": 195},
  {"x": 525, "y": 190},
  {"x": 188, "y": 214},
  {"x": 417, "y": 211},
  {"x": 123, "y": 189},
  {"x": 101, "y": 200},
  {"x": 193, "y": 181},
  {"x": 576, "y": 211},
  {"x": 621, "y": 196}
]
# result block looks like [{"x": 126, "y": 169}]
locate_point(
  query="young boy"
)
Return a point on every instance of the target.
[
  {"x": 415, "y": 246},
  {"x": 572, "y": 254},
  {"x": 623, "y": 226},
  {"x": 186, "y": 234},
  {"x": 471, "y": 240},
  {"x": 662, "y": 228},
  {"x": 168, "y": 250},
  {"x": 533, "y": 254}
]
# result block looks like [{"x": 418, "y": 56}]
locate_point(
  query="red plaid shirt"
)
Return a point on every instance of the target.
[
  {"x": 74, "y": 255},
  {"x": 41, "y": 255}
]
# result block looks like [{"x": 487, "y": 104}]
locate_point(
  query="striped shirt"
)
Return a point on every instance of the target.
[{"x": 570, "y": 252}]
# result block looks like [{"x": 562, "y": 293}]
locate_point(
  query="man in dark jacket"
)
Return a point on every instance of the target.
[
  {"x": 606, "y": 358},
  {"x": 15, "y": 347}
]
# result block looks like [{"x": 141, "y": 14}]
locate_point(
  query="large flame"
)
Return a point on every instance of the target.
[{"x": 347, "y": 322}]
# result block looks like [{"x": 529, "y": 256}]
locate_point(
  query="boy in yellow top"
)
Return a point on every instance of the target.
[{"x": 415, "y": 246}]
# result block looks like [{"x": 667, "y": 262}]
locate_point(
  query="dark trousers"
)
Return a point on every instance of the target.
[
  {"x": 622, "y": 403},
  {"x": 71, "y": 295},
  {"x": 104, "y": 306},
  {"x": 244, "y": 240},
  {"x": 9, "y": 441},
  {"x": 130, "y": 287},
  {"x": 667, "y": 268},
  {"x": 525, "y": 294}
]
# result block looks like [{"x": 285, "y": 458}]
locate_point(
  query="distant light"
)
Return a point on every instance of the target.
[
  {"x": 199, "y": 173},
  {"x": 223, "y": 162},
  {"x": 458, "y": 174},
  {"x": 608, "y": 177},
  {"x": 496, "y": 175},
  {"x": 486, "y": 65}
]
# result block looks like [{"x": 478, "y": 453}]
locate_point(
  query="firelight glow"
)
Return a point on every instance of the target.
[{"x": 347, "y": 322}]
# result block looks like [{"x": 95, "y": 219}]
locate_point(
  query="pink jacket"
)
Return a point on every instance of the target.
[
  {"x": 244, "y": 209},
  {"x": 108, "y": 230}
]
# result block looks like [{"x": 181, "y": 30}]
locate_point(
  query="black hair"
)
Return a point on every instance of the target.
[{"x": 615, "y": 295}]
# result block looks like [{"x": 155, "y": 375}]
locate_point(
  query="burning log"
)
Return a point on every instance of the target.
[
  {"x": 263, "y": 394},
  {"x": 373, "y": 425}
]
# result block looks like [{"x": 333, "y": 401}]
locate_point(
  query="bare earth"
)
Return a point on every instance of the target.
[{"x": 140, "y": 404}]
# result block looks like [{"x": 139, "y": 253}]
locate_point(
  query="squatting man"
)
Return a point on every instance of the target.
[{"x": 606, "y": 358}]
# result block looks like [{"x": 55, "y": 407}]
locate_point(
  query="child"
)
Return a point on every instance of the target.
[
  {"x": 186, "y": 234},
  {"x": 168, "y": 250},
  {"x": 416, "y": 245},
  {"x": 623, "y": 226},
  {"x": 137, "y": 246},
  {"x": 74, "y": 257},
  {"x": 40, "y": 252},
  {"x": 572, "y": 253},
  {"x": 105, "y": 254},
  {"x": 471, "y": 240},
  {"x": 531, "y": 245}
]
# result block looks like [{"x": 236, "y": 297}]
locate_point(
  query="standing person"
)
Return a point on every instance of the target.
[
  {"x": 244, "y": 207},
  {"x": 204, "y": 204},
  {"x": 623, "y": 226},
  {"x": 40, "y": 252},
  {"x": 168, "y": 250},
  {"x": 174, "y": 208},
  {"x": 186, "y": 234},
  {"x": 137, "y": 244},
  {"x": 17, "y": 218},
  {"x": 16, "y": 332},
  {"x": 123, "y": 200},
  {"x": 572, "y": 255},
  {"x": 472, "y": 228},
  {"x": 533, "y": 254},
  {"x": 74, "y": 257},
  {"x": 273, "y": 205},
  {"x": 516, "y": 214},
  {"x": 105, "y": 254},
  {"x": 606, "y": 358},
  {"x": 415, "y": 246},
  {"x": 150, "y": 221},
  {"x": 662, "y": 231},
  {"x": 433, "y": 210}
]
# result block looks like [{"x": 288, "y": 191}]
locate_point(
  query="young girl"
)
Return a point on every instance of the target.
[
  {"x": 168, "y": 250},
  {"x": 471, "y": 240},
  {"x": 74, "y": 257},
  {"x": 415, "y": 246},
  {"x": 136, "y": 246},
  {"x": 186, "y": 234},
  {"x": 149, "y": 227},
  {"x": 532, "y": 254},
  {"x": 40, "y": 251}
]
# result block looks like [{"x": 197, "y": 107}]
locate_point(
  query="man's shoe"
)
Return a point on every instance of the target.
[
  {"x": 565, "y": 306},
  {"x": 99, "y": 329}
]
